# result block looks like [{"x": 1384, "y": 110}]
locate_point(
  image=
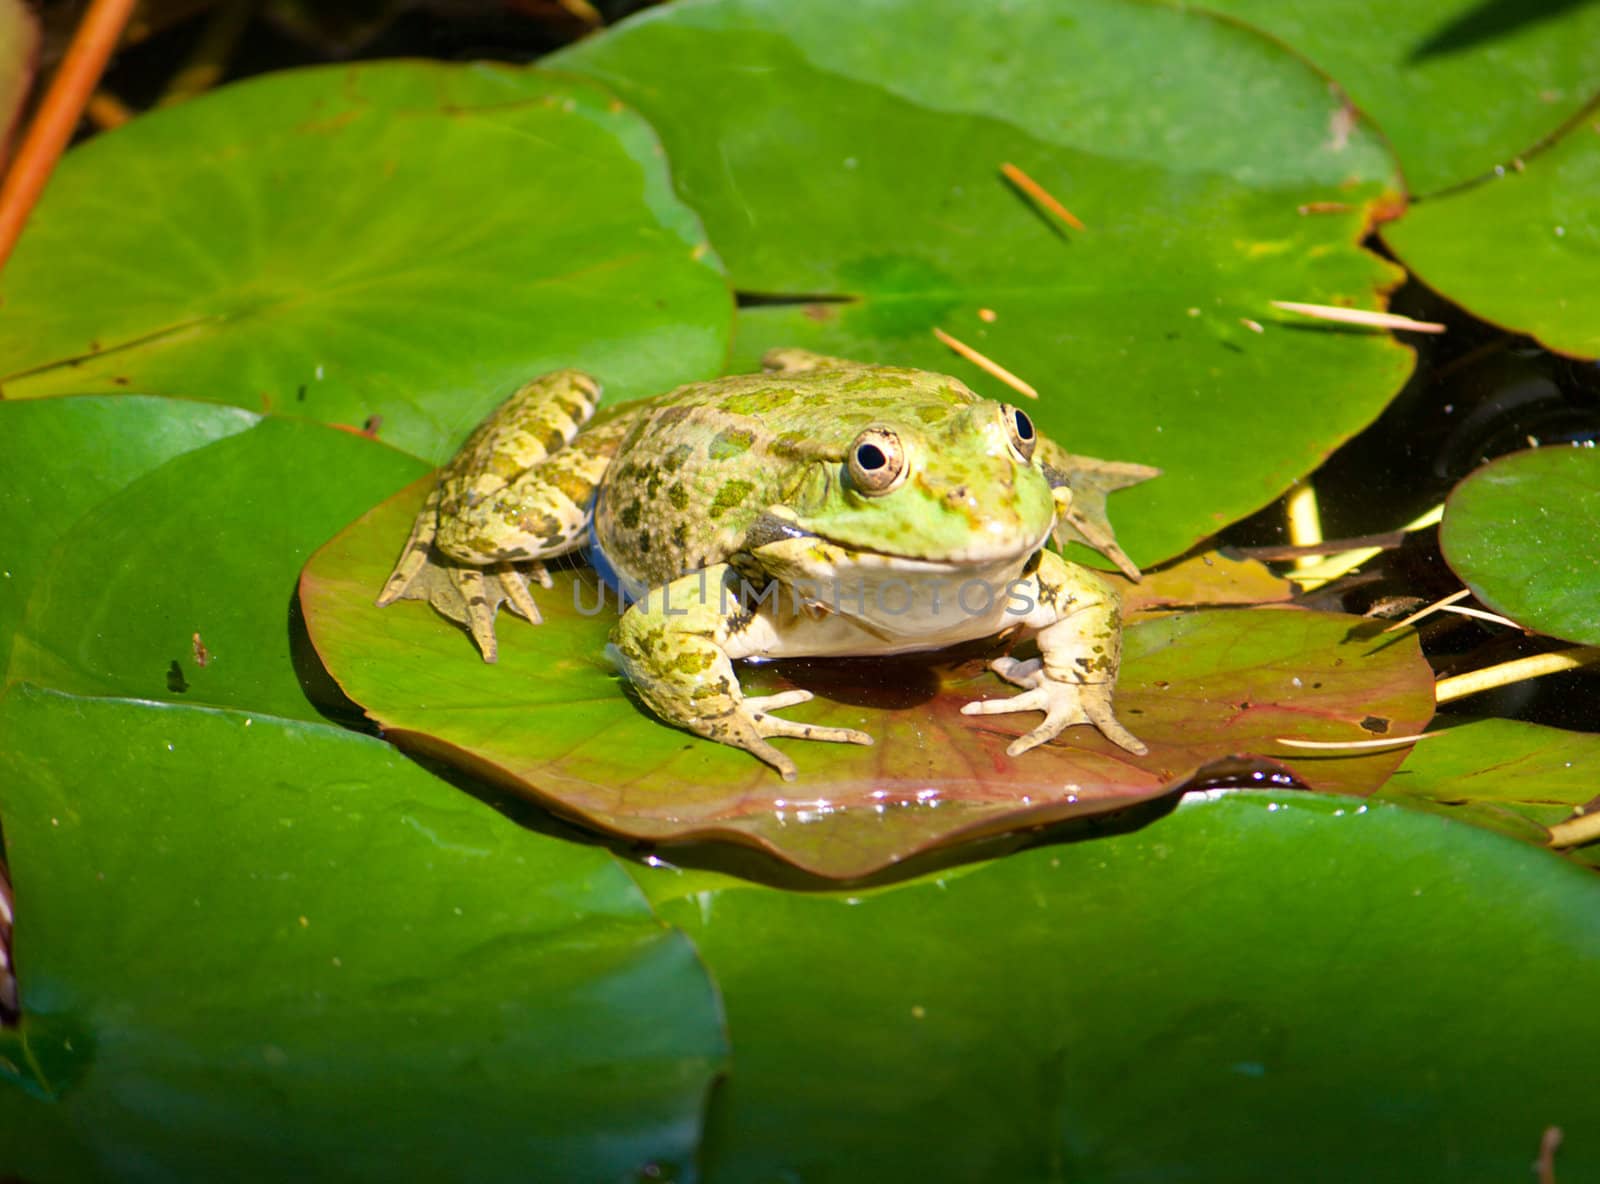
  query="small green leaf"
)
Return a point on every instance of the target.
[
  {"x": 851, "y": 178},
  {"x": 1521, "y": 249},
  {"x": 403, "y": 240},
  {"x": 1520, "y": 532},
  {"x": 552, "y": 718},
  {"x": 273, "y": 947},
  {"x": 1507, "y": 775}
]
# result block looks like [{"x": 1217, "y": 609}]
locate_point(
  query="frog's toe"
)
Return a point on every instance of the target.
[
  {"x": 480, "y": 616},
  {"x": 515, "y": 586},
  {"x": 1099, "y": 713},
  {"x": 762, "y": 707},
  {"x": 764, "y": 725},
  {"x": 1017, "y": 671},
  {"x": 1058, "y": 715}
]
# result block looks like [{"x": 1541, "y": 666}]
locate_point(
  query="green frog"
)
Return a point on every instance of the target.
[{"x": 822, "y": 507}]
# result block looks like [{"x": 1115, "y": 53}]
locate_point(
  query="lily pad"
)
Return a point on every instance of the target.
[
  {"x": 552, "y": 718},
  {"x": 1522, "y": 249},
  {"x": 851, "y": 179},
  {"x": 250, "y": 949},
  {"x": 403, "y": 240},
  {"x": 1520, "y": 532},
  {"x": 1209, "y": 578},
  {"x": 67, "y": 457},
  {"x": 1257, "y": 987},
  {"x": 1507, "y": 775},
  {"x": 1458, "y": 86},
  {"x": 158, "y": 542}
]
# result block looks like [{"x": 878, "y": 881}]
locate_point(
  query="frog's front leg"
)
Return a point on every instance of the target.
[
  {"x": 1080, "y": 647},
  {"x": 676, "y": 646}
]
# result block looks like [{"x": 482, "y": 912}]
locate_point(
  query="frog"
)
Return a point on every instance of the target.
[{"x": 821, "y": 507}]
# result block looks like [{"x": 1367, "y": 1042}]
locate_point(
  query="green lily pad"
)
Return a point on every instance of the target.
[
  {"x": 846, "y": 161},
  {"x": 1520, "y": 532},
  {"x": 1522, "y": 249},
  {"x": 250, "y": 949},
  {"x": 1258, "y": 987},
  {"x": 159, "y": 542},
  {"x": 1458, "y": 86},
  {"x": 67, "y": 457},
  {"x": 552, "y": 718},
  {"x": 1514, "y": 777},
  {"x": 405, "y": 241}
]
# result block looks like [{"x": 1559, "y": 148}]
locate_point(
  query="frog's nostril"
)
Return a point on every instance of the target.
[{"x": 958, "y": 494}]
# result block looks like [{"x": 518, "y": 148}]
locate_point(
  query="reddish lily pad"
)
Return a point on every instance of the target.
[{"x": 552, "y": 718}]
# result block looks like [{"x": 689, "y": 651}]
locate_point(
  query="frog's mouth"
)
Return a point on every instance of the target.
[{"x": 773, "y": 529}]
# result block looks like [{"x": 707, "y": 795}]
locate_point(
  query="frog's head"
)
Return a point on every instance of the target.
[{"x": 962, "y": 489}]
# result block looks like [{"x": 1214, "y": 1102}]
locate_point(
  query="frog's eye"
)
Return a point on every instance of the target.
[
  {"x": 1023, "y": 437},
  {"x": 877, "y": 462}
]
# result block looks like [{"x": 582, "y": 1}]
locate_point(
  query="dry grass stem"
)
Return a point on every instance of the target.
[
  {"x": 1459, "y": 686},
  {"x": 1379, "y": 742},
  {"x": 1335, "y": 566},
  {"x": 1359, "y": 316},
  {"x": 1429, "y": 609},
  {"x": 1039, "y": 194},
  {"x": 986, "y": 364},
  {"x": 58, "y": 114}
]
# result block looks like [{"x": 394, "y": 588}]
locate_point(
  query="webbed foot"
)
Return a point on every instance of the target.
[
  {"x": 468, "y": 595},
  {"x": 1063, "y": 703}
]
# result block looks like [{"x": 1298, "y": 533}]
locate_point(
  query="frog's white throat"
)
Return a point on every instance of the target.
[{"x": 828, "y": 599}]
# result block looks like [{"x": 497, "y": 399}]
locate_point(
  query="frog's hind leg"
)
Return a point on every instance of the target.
[{"x": 514, "y": 495}]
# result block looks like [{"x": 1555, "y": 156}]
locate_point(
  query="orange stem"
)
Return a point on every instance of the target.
[
  {"x": 63, "y": 104},
  {"x": 1039, "y": 194}
]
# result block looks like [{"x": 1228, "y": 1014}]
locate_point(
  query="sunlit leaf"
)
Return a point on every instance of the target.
[
  {"x": 847, "y": 164},
  {"x": 400, "y": 244}
]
